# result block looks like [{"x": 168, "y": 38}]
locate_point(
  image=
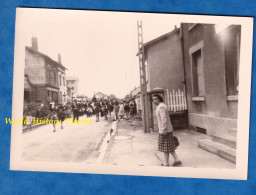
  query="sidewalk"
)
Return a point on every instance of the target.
[{"x": 130, "y": 146}]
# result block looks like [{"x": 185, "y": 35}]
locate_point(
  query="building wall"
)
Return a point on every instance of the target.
[
  {"x": 51, "y": 73},
  {"x": 42, "y": 73},
  {"x": 62, "y": 87},
  {"x": 29, "y": 92},
  {"x": 135, "y": 92},
  {"x": 164, "y": 60},
  {"x": 35, "y": 67},
  {"x": 215, "y": 113},
  {"x": 73, "y": 84},
  {"x": 43, "y": 92}
]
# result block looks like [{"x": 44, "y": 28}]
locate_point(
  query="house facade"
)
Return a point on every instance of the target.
[
  {"x": 41, "y": 77},
  {"x": 211, "y": 59}
]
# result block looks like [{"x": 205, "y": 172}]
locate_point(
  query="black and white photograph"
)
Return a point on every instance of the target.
[{"x": 131, "y": 93}]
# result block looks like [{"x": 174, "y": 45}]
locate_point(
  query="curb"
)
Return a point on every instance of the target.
[
  {"x": 107, "y": 143},
  {"x": 33, "y": 126}
]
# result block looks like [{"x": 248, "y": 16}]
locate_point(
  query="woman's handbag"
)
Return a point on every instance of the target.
[{"x": 176, "y": 141}]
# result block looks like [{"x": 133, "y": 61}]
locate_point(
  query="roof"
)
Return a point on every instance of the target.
[
  {"x": 98, "y": 93},
  {"x": 81, "y": 96},
  {"x": 47, "y": 57},
  {"x": 161, "y": 37},
  {"x": 68, "y": 78}
]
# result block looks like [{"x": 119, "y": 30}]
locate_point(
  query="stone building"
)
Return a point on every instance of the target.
[{"x": 41, "y": 77}]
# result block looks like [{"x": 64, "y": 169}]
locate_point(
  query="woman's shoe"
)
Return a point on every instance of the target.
[
  {"x": 165, "y": 165},
  {"x": 177, "y": 163}
]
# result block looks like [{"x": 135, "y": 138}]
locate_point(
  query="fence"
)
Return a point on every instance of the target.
[{"x": 176, "y": 100}]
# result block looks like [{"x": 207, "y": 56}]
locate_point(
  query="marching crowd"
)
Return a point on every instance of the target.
[{"x": 99, "y": 108}]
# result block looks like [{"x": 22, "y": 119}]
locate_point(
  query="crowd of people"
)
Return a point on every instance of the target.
[{"x": 99, "y": 108}]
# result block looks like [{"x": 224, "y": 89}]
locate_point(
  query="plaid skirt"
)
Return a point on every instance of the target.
[{"x": 166, "y": 142}]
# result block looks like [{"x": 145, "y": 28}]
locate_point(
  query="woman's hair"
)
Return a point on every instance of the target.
[{"x": 159, "y": 97}]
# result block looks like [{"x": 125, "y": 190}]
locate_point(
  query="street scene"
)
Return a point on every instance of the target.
[
  {"x": 165, "y": 97},
  {"x": 73, "y": 143}
]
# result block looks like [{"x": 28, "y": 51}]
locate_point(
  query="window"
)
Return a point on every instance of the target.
[
  {"x": 54, "y": 78},
  {"x": 51, "y": 77},
  {"x": 198, "y": 74},
  {"x": 231, "y": 40},
  {"x": 197, "y": 71},
  {"x": 64, "y": 84},
  {"x": 60, "y": 80}
]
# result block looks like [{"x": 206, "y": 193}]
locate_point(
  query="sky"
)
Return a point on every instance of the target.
[{"x": 98, "y": 47}]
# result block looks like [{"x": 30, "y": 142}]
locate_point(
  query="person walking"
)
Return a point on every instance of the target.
[
  {"x": 121, "y": 110},
  {"x": 166, "y": 141},
  {"x": 61, "y": 115},
  {"x": 75, "y": 111},
  {"x": 97, "y": 112},
  {"x": 131, "y": 105},
  {"x": 116, "y": 109},
  {"x": 105, "y": 111},
  {"x": 127, "y": 109},
  {"x": 54, "y": 118},
  {"x": 110, "y": 108}
]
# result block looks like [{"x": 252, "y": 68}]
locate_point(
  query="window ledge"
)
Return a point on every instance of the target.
[
  {"x": 198, "y": 99},
  {"x": 232, "y": 98}
]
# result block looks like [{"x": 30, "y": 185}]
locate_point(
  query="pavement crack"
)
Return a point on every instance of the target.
[{"x": 157, "y": 157}]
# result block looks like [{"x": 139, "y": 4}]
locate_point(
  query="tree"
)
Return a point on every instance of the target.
[{"x": 112, "y": 97}]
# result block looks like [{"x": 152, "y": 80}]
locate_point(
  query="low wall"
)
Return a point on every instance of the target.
[{"x": 213, "y": 125}]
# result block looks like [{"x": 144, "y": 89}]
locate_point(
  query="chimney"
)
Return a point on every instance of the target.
[
  {"x": 59, "y": 58},
  {"x": 34, "y": 43},
  {"x": 175, "y": 27}
]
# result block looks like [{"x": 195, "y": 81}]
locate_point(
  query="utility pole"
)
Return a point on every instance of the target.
[{"x": 143, "y": 84}]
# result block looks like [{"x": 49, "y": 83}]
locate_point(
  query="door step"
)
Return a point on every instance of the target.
[
  {"x": 219, "y": 149},
  {"x": 233, "y": 132},
  {"x": 225, "y": 139}
]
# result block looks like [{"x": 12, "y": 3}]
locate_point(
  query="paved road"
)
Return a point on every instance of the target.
[{"x": 74, "y": 143}]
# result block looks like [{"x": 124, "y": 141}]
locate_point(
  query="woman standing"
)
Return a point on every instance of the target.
[{"x": 166, "y": 142}]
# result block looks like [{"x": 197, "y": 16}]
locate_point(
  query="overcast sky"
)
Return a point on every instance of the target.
[{"x": 98, "y": 47}]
